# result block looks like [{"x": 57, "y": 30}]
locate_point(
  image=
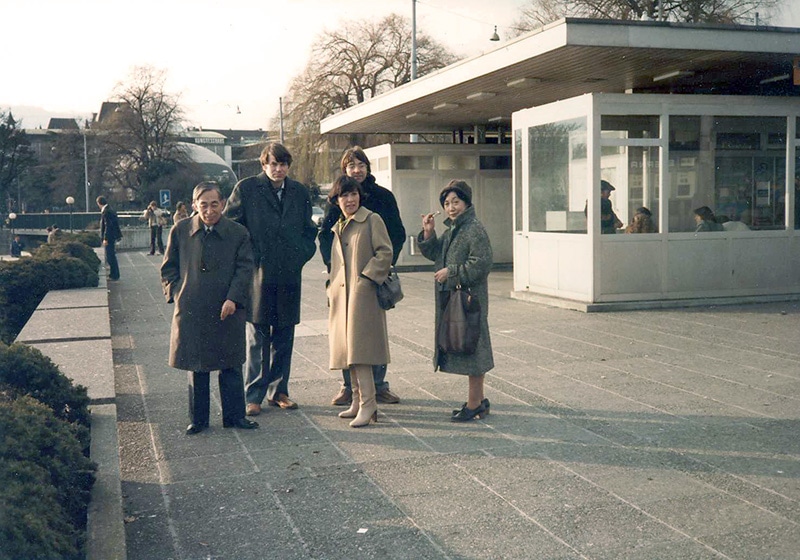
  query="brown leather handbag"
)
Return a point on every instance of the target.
[{"x": 460, "y": 325}]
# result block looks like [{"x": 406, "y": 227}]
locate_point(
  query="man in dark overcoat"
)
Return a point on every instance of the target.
[
  {"x": 276, "y": 211},
  {"x": 355, "y": 164},
  {"x": 206, "y": 272},
  {"x": 110, "y": 233}
]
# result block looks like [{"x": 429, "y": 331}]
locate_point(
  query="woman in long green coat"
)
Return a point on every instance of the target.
[{"x": 462, "y": 256}]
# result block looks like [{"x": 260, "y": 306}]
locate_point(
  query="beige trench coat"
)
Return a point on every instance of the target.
[{"x": 361, "y": 257}]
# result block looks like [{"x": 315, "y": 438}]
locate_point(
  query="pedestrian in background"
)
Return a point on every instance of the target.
[
  {"x": 156, "y": 220},
  {"x": 17, "y": 246},
  {"x": 206, "y": 273},
  {"x": 180, "y": 212},
  {"x": 463, "y": 257},
  {"x": 110, "y": 233},
  {"x": 361, "y": 256},
  {"x": 355, "y": 164},
  {"x": 276, "y": 211}
]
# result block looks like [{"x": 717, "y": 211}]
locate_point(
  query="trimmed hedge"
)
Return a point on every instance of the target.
[
  {"x": 24, "y": 282},
  {"x": 45, "y": 482},
  {"x": 26, "y": 371}
]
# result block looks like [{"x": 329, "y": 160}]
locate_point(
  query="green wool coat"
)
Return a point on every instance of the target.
[{"x": 464, "y": 249}]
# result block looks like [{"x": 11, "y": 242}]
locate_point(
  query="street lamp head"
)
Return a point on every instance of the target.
[
  {"x": 12, "y": 216},
  {"x": 495, "y": 36},
  {"x": 70, "y": 200}
]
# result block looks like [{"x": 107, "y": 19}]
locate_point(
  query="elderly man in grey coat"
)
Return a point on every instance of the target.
[{"x": 206, "y": 272}]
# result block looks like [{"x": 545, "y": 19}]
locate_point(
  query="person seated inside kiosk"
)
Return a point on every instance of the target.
[
  {"x": 642, "y": 222},
  {"x": 609, "y": 223},
  {"x": 705, "y": 220}
]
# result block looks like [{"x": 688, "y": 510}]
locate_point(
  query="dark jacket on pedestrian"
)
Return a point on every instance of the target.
[
  {"x": 199, "y": 272},
  {"x": 465, "y": 251},
  {"x": 109, "y": 225},
  {"x": 284, "y": 240},
  {"x": 376, "y": 198}
]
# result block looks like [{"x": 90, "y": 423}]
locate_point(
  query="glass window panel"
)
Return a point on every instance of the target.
[
  {"x": 414, "y": 162},
  {"x": 518, "y": 180},
  {"x": 636, "y": 189},
  {"x": 557, "y": 171},
  {"x": 797, "y": 178},
  {"x": 448, "y": 162},
  {"x": 495, "y": 162},
  {"x": 732, "y": 165},
  {"x": 629, "y": 126}
]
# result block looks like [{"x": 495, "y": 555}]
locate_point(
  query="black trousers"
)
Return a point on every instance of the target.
[
  {"x": 156, "y": 239},
  {"x": 231, "y": 392}
]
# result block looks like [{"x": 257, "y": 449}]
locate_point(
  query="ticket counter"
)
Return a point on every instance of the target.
[{"x": 671, "y": 154}]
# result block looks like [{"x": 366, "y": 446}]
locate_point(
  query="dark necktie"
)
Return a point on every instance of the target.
[{"x": 203, "y": 254}]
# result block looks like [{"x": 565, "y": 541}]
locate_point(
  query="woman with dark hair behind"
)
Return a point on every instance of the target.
[
  {"x": 705, "y": 220},
  {"x": 360, "y": 259},
  {"x": 642, "y": 222},
  {"x": 355, "y": 164},
  {"x": 463, "y": 257}
]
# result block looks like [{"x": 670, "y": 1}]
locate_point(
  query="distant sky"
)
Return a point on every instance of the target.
[{"x": 62, "y": 58}]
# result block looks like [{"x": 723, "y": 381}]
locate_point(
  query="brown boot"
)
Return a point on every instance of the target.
[
  {"x": 368, "y": 407},
  {"x": 343, "y": 398}
]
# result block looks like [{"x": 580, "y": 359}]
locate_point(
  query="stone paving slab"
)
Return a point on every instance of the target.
[
  {"x": 62, "y": 324},
  {"x": 638, "y": 434},
  {"x": 85, "y": 362},
  {"x": 78, "y": 298}
]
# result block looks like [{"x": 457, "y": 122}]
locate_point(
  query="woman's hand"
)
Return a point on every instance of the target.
[
  {"x": 441, "y": 275},
  {"x": 428, "y": 224}
]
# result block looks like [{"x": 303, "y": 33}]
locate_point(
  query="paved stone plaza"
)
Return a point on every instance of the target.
[{"x": 669, "y": 434}]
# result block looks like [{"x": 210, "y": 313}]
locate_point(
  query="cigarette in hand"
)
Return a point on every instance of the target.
[{"x": 436, "y": 213}]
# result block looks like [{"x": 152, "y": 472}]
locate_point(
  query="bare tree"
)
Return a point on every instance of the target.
[
  {"x": 141, "y": 134},
  {"x": 541, "y": 12},
  {"x": 349, "y": 65}
]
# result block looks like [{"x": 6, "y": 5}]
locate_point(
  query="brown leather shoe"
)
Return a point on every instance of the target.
[
  {"x": 253, "y": 409},
  {"x": 283, "y": 402},
  {"x": 344, "y": 398},
  {"x": 387, "y": 397}
]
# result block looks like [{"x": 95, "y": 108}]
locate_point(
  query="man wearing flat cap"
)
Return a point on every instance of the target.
[{"x": 609, "y": 223}]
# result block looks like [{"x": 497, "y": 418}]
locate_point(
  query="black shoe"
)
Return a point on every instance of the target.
[
  {"x": 484, "y": 403},
  {"x": 242, "y": 423},
  {"x": 467, "y": 414},
  {"x": 195, "y": 429}
]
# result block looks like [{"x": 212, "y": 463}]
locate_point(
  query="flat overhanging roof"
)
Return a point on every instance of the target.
[{"x": 572, "y": 57}]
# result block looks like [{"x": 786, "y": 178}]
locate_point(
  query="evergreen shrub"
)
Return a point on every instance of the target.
[{"x": 45, "y": 482}]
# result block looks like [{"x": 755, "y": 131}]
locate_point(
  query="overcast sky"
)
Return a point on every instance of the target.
[{"x": 64, "y": 57}]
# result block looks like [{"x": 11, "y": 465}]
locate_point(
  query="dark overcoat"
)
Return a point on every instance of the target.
[
  {"x": 376, "y": 198},
  {"x": 284, "y": 240},
  {"x": 199, "y": 272},
  {"x": 361, "y": 257},
  {"x": 109, "y": 225},
  {"x": 465, "y": 251}
]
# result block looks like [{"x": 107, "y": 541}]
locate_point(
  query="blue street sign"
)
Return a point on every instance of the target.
[{"x": 164, "y": 196}]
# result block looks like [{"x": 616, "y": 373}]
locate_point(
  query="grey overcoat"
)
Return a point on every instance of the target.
[
  {"x": 466, "y": 252},
  {"x": 199, "y": 283},
  {"x": 361, "y": 256}
]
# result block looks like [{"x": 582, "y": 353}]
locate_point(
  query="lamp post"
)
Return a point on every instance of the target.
[
  {"x": 11, "y": 217},
  {"x": 70, "y": 201}
]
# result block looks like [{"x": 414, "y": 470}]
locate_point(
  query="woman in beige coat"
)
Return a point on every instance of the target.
[{"x": 361, "y": 256}]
